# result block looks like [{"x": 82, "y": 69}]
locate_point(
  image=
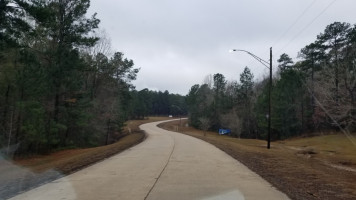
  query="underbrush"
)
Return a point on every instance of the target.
[{"x": 71, "y": 159}]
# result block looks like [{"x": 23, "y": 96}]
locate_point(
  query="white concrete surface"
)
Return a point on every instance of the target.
[{"x": 165, "y": 166}]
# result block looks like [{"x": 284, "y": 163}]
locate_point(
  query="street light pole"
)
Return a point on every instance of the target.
[
  {"x": 269, "y": 66},
  {"x": 270, "y": 100}
]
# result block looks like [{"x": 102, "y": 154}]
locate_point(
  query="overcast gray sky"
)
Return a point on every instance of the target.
[{"x": 176, "y": 43}]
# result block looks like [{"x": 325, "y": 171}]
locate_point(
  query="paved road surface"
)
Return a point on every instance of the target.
[{"x": 165, "y": 166}]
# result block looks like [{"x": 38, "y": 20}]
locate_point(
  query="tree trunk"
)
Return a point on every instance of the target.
[
  {"x": 56, "y": 105},
  {"x": 302, "y": 113},
  {"x": 107, "y": 134},
  {"x": 19, "y": 118},
  {"x": 65, "y": 140},
  {"x": 10, "y": 134},
  {"x": 312, "y": 89},
  {"x": 6, "y": 105},
  {"x": 337, "y": 85},
  {"x": 48, "y": 127},
  {"x": 336, "y": 77},
  {"x": 93, "y": 89}
]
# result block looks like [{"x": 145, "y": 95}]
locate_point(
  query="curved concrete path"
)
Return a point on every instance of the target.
[{"x": 166, "y": 165}]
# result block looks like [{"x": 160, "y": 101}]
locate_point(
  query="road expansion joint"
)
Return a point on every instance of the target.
[{"x": 164, "y": 168}]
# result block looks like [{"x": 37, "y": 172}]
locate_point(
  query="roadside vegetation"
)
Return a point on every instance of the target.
[
  {"x": 29, "y": 171},
  {"x": 320, "y": 167},
  {"x": 316, "y": 93},
  {"x": 61, "y": 84},
  {"x": 67, "y": 161}
]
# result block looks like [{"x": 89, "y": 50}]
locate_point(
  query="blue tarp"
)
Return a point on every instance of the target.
[{"x": 224, "y": 131}]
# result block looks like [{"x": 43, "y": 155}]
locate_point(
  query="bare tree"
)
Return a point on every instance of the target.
[
  {"x": 96, "y": 57},
  {"x": 102, "y": 46},
  {"x": 208, "y": 80},
  {"x": 204, "y": 124},
  {"x": 231, "y": 91},
  {"x": 341, "y": 108},
  {"x": 233, "y": 122}
]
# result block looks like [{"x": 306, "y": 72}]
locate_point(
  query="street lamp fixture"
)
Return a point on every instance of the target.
[{"x": 269, "y": 66}]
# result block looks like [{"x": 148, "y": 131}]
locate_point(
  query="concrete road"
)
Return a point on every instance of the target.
[{"x": 166, "y": 165}]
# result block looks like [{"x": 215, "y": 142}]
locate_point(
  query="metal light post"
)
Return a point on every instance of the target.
[{"x": 269, "y": 66}]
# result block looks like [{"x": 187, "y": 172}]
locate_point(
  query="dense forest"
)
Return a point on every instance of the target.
[
  {"x": 61, "y": 85},
  {"x": 151, "y": 103},
  {"x": 313, "y": 94}
]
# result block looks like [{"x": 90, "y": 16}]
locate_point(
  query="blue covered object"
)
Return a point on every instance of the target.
[{"x": 224, "y": 131}]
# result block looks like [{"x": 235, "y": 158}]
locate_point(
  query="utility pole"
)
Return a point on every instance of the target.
[{"x": 270, "y": 100}]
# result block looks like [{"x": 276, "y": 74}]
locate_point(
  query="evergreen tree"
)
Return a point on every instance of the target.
[
  {"x": 245, "y": 107},
  {"x": 218, "y": 106},
  {"x": 285, "y": 62},
  {"x": 333, "y": 40}
]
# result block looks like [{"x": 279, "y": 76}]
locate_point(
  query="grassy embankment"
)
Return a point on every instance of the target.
[
  {"x": 67, "y": 161},
  {"x": 322, "y": 167}
]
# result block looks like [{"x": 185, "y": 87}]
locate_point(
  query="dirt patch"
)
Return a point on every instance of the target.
[
  {"x": 343, "y": 166},
  {"x": 296, "y": 167},
  {"x": 307, "y": 151}
]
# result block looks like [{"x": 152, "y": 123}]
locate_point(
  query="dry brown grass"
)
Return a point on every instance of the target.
[
  {"x": 320, "y": 167},
  {"x": 67, "y": 161}
]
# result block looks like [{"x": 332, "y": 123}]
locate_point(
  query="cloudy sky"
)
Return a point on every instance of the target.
[{"x": 177, "y": 43}]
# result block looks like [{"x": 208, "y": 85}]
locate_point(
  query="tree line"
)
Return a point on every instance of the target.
[
  {"x": 61, "y": 85},
  {"x": 315, "y": 93},
  {"x": 152, "y": 103}
]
